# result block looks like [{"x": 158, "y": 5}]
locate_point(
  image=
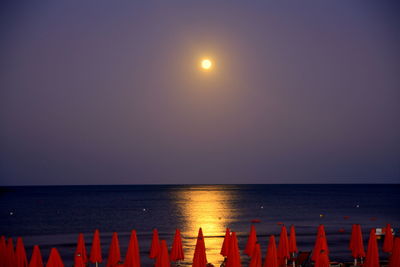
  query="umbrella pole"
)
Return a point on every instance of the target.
[
  {"x": 355, "y": 261},
  {"x": 97, "y": 264}
]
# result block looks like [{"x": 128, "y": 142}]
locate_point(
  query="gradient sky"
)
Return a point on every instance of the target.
[{"x": 105, "y": 92}]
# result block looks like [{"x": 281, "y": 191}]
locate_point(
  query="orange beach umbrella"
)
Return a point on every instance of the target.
[
  {"x": 233, "y": 259},
  {"x": 395, "y": 257},
  {"x": 177, "y": 249},
  {"x": 292, "y": 241},
  {"x": 225, "y": 245},
  {"x": 10, "y": 256},
  {"x": 271, "y": 258},
  {"x": 114, "y": 253},
  {"x": 95, "y": 251},
  {"x": 163, "y": 257},
  {"x": 251, "y": 241},
  {"x": 20, "y": 254},
  {"x": 283, "y": 247},
  {"x": 388, "y": 242},
  {"x": 81, "y": 248},
  {"x": 54, "y": 259},
  {"x": 320, "y": 243},
  {"x": 372, "y": 258},
  {"x": 200, "y": 257},
  {"x": 256, "y": 257},
  {"x": 132, "y": 258},
  {"x": 36, "y": 258},
  {"x": 155, "y": 245}
]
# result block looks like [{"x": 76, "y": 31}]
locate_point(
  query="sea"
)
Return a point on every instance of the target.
[{"x": 53, "y": 216}]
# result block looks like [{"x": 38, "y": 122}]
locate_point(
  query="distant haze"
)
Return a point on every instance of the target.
[{"x": 110, "y": 92}]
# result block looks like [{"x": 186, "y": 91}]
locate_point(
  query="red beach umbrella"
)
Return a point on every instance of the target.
[
  {"x": 322, "y": 260},
  {"x": 372, "y": 258},
  {"x": 256, "y": 257},
  {"x": 320, "y": 243},
  {"x": 155, "y": 245},
  {"x": 200, "y": 257},
  {"x": 95, "y": 251},
  {"x": 81, "y": 248},
  {"x": 2, "y": 250},
  {"x": 226, "y": 244},
  {"x": 271, "y": 258},
  {"x": 20, "y": 254},
  {"x": 132, "y": 258},
  {"x": 163, "y": 257},
  {"x": 233, "y": 259},
  {"x": 78, "y": 261},
  {"x": 251, "y": 241},
  {"x": 395, "y": 257},
  {"x": 356, "y": 243},
  {"x": 10, "y": 256},
  {"x": 54, "y": 259},
  {"x": 114, "y": 254},
  {"x": 292, "y": 241},
  {"x": 388, "y": 242},
  {"x": 36, "y": 259},
  {"x": 283, "y": 247},
  {"x": 177, "y": 249}
]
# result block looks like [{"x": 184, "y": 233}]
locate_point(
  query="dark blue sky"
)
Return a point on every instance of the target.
[{"x": 104, "y": 92}]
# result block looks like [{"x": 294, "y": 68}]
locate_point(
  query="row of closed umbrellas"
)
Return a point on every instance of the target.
[{"x": 276, "y": 256}]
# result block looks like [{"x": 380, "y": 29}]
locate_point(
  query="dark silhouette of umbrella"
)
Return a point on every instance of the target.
[
  {"x": 155, "y": 245},
  {"x": 81, "y": 248},
  {"x": 10, "y": 255},
  {"x": 225, "y": 245},
  {"x": 177, "y": 249},
  {"x": 356, "y": 243},
  {"x": 95, "y": 251},
  {"x": 394, "y": 260},
  {"x": 20, "y": 254},
  {"x": 283, "y": 247},
  {"x": 320, "y": 243},
  {"x": 233, "y": 259},
  {"x": 200, "y": 257},
  {"x": 388, "y": 242},
  {"x": 114, "y": 253},
  {"x": 132, "y": 258},
  {"x": 251, "y": 241},
  {"x": 2, "y": 251},
  {"x": 36, "y": 258},
  {"x": 54, "y": 259},
  {"x": 271, "y": 257},
  {"x": 163, "y": 257},
  {"x": 256, "y": 260},
  {"x": 372, "y": 258}
]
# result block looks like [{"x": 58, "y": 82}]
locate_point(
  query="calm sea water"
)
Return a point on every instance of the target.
[{"x": 53, "y": 216}]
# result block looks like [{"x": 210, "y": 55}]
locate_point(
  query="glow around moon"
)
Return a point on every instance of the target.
[{"x": 206, "y": 64}]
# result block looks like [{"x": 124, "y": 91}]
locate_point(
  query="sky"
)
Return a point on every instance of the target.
[{"x": 110, "y": 92}]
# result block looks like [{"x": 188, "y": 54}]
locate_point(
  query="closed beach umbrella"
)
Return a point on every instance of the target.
[
  {"x": 54, "y": 259},
  {"x": 81, "y": 248},
  {"x": 20, "y": 254},
  {"x": 320, "y": 243},
  {"x": 256, "y": 257},
  {"x": 36, "y": 259},
  {"x": 78, "y": 261},
  {"x": 292, "y": 241},
  {"x": 114, "y": 253},
  {"x": 132, "y": 258},
  {"x": 226, "y": 243},
  {"x": 322, "y": 259},
  {"x": 251, "y": 241},
  {"x": 2, "y": 251},
  {"x": 155, "y": 245},
  {"x": 372, "y": 258},
  {"x": 356, "y": 243},
  {"x": 271, "y": 258},
  {"x": 163, "y": 257},
  {"x": 177, "y": 249},
  {"x": 200, "y": 257},
  {"x": 95, "y": 251},
  {"x": 10, "y": 255},
  {"x": 233, "y": 259},
  {"x": 283, "y": 247},
  {"x": 395, "y": 257},
  {"x": 388, "y": 242}
]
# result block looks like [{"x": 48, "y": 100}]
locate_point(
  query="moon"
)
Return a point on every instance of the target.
[{"x": 206, "y": 64}]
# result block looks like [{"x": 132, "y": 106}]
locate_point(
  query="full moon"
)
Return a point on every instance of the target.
[{"x": 206, "y": 64}]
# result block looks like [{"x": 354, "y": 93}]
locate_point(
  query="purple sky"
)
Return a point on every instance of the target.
[{"x": 109, "y": 92}]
